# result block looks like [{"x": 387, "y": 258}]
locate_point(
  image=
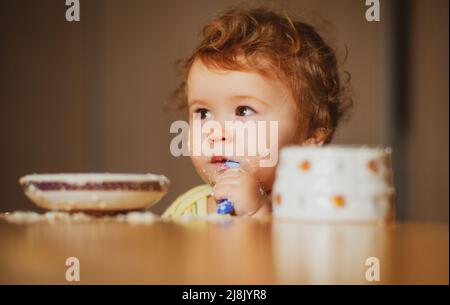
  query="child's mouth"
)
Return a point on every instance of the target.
[
  {"x": 219, "y": 159},
  {"x": 224, "y": 162}
]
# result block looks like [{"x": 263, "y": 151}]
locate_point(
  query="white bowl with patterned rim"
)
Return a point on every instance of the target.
[{"x": 94, "y": 192}]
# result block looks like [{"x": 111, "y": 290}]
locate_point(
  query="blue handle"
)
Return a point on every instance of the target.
[{"x": 225, "y": 206}]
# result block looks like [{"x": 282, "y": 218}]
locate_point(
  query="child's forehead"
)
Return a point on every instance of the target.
[{"x": 206, "y": 81}]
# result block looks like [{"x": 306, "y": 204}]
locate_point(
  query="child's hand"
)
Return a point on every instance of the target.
[{"x": 243, "y": 189}]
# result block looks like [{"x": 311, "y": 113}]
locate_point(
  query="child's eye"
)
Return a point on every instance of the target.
[
  {"x": 244, "y": 111},
  {"x": 204, "y": 113}
]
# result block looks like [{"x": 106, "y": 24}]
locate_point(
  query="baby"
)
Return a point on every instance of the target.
[{"x": 256, "y": 65}]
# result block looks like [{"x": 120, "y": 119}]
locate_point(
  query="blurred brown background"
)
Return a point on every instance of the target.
[{"x": 87, "y": 96}]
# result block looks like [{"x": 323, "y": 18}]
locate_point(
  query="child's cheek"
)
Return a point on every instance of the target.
[
  {"x": 204, "y": 169},
  {"x": 195, "y": 145}
]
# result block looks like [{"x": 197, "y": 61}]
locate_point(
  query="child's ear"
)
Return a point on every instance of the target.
[{"x": 317, "y": 139}]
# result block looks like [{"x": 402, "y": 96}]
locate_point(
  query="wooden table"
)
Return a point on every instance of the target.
[{"x": 238, "y": 251}]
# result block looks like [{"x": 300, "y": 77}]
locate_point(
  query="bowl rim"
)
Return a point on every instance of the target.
[{"x": 83, "y": 178}]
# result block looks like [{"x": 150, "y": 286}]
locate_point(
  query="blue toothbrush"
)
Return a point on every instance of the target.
[{"x": 225, "y": 206}]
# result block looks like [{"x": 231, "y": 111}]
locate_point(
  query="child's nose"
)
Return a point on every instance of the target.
[{"x": 221, "y": 135}]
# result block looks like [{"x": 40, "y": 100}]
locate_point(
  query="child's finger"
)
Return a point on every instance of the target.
[
  {"x": 222, "y": 191},
  {"x": 230, "y": 172},
  {"x": 221, "y": 179},
  {"x": 235, "y": 173},
  {"x": 229, "y": 181},
  {"x": 228, "y": 176}
]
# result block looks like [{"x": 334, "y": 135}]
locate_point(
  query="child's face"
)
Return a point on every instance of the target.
[{"x": 222, "y": 95}]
